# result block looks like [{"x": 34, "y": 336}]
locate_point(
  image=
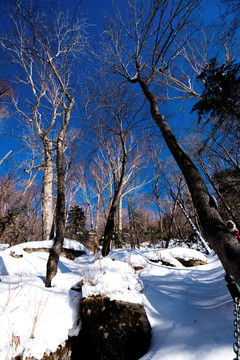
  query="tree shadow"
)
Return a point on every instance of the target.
[{"x": 3, "y": 269}]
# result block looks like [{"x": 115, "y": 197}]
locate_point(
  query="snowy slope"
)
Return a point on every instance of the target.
[
  {"x": 191, "y": 313},
  {"x": 190, "y": 309}
]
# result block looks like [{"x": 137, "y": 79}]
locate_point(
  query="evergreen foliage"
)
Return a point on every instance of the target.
[
  {"x": 228, "y": 184},
  {"x": 76, "y": 225},
  {"x": 221, "y": 92}
]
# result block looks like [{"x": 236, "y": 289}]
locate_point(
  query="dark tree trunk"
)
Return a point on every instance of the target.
[
  {"x": 215, "y": 231},
  {"x": 109, "y": 228}
]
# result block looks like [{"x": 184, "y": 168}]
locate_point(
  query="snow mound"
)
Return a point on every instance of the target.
[
  {"x": 114, "y": 279},
  {"x": 14, "y": 260},
  {"x": 170, "y": 256},
  {"x": 48, "y": 244},
  {"x": 130, "y": 256},
  {"x": 31, "y": 314}
]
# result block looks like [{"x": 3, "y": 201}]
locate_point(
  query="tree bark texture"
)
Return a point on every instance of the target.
[
  {"x": 97, "y": 213},
  {"x": 55, "y": 252},
  {"x": 47, "y": 208},
  {"x": 60, "y": 217},
  {"x": 219, "y": 238},
  {"x": 120, "y": 223},
  {"x": 109, "y": 228}
]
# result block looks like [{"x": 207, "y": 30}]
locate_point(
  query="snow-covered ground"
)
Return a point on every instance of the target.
[{"x": 190, "y": 309}]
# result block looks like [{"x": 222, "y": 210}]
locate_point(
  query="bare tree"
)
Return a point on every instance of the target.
[
  {"x": 115, "y": 127},
  {"x": 20, "y": 50},
  {"x": 217, "y": 156},
  {"x": 67, "y": 104},
  {"x": 45, "y": 47},
  {"x": 6, "y": 94},
  {"x": 155, "y": 153},
  {"x": 143, "y": 48},
  {"x": 102, "y": 178},
  {"x": 19, "y": 209}
]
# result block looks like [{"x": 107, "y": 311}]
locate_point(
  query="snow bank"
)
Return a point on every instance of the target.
[
  {"x": 4, "y": 247},
  {"x": 190, "y": 309},
  {"x": 34, "y": 319},
  {"x": 47, "y": 244},
  {"x": 171, "y": 255},
  {"x": 114, "y": 279}
]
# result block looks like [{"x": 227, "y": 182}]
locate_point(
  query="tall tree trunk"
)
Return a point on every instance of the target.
[
  {"x": 215, "y": 231},
  {"x": 47, "y": 207},
  {"x": 55, "y": 252},
  {"x": 158, "y": 201},
  {"x": 160, "y": 221},
  {"x": 131, "y": 227},
  {"x": 109, "y": 228},
  {"x": 120, "y": 223},
  {"x": 97, "y": 213},
  {"x": 170, "y": 230},
  {"x": 60, "y": 216}
]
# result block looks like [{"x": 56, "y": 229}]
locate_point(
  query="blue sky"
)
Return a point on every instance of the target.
[{"x": 94, "y": 10}]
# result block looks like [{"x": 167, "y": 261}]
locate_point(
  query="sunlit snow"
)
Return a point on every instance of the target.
[{"x": 190, "y": 309}]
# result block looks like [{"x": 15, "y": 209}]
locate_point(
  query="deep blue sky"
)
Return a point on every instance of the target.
[
  {"x": 96, "y": 9},
  {"x": 94, "y": 12}
]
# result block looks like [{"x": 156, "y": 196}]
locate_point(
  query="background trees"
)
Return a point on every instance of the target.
[
  {"x": 160, "y": 52},
  {"x": 146, "y": 52},
  {"x": 218, "y": 112},
  {"x": 19, "y": 219},
  {"x": 115, "y": 130},
  {"x": 76, "y": 225}
]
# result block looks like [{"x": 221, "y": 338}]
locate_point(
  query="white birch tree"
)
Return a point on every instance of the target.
[{"x": 45, "y": 48}]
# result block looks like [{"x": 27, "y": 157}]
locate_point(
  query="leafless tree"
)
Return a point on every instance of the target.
[
  {"x": 102, "y": 178},
  {"x": 115, "y": 131},
  {"x": 143, "y": 48},
  {"x": 19, "y": 207},
  {"x": 6, "y": 94},
  {"x": 45, "y": 48},
  {"x": 156, "y": 158}
]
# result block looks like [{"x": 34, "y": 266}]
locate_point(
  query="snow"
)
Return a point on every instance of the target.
[
  {"x": 190, "y": 309},
  {"x": 171, "y": 255},
  {"x": 115, "y": 279}
]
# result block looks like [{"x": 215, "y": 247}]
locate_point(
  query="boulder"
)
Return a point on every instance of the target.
[
  {"x": 192, "y": 262},
  {"x": 116, "y": 330},
  {"x": 67, "y": 253}
]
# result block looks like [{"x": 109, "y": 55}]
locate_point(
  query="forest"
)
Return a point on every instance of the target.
[{"x": 121, "y": 132}]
